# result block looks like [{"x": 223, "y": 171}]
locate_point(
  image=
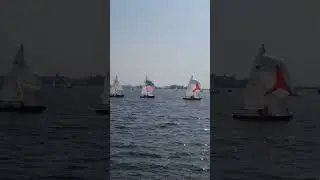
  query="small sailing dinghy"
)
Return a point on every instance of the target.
[
  {"x": 69, "y": 84},
  {"x": 193, "y": 90},
  {"x": 267, "y": 91},
  {"x": 116, "y": 89},
  {"x": 19, "y": 87},
  {"x": 104, "y": 106},
  {"x": 147, "y": 89}
]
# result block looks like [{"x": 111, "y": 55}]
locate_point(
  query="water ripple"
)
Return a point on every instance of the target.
[{"x": 161, "y": 138}]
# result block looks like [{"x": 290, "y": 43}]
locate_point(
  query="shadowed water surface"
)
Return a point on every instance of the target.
[
  {"x": 162, "y": 138},
  {"x": 68, "y": 141},
  {"x": 261, "y": 150}
]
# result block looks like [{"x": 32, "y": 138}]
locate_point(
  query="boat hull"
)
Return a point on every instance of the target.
[
  {"x": 253, "y": 116},
  {"x": 102, "y": 109},
  {"x": 117, "y": 95},
  {"x": 146, "y": 96},
  {"x": 262, "y": 118},
  {"x": 23, "y": 109},
  {"x": 191, "y": 98}
]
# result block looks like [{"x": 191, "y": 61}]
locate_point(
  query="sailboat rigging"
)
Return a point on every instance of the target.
[
  {"x": 116, "y": 89},
  {"x": 193, "y": 90},
  {"x": 267, "y": 90},
  {"x": 18, "y": 90}
]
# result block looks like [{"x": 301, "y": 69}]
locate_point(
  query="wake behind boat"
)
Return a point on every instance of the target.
[
  {"x": 19, "y": 87},
  {"x": 267, "y": 91},
  {"x": 147, "y": 89},
  {"x": 193, "y": 90},
  {"x": 116, "y": 89}
]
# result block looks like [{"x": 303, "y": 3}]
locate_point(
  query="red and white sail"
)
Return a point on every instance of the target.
[
  {"x": 148, "y": 88},
  {"x": 269, "y": 83},
  {"x": 193, "y": 88}
]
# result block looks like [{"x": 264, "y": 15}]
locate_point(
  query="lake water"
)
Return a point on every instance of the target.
[
  {"x": 255, "y": 150},
  {"x": 162, "y": 138},
  {"x": 68, "y": 141}
]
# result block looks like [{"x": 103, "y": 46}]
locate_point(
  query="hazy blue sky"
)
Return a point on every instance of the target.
[
  {"x": 290, "y": 29},
  {"x": 169, "y": 40}
]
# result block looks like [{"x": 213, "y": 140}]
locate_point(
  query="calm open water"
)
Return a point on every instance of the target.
[
  {"x": 68, "y": 141},
  {"x": 255, "y": 150},
  {"x": 162, "y": 138}
]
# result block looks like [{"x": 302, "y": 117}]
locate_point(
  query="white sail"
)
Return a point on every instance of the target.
[
  {"x": 19, "y": 84},
  {"x": 254, "y": 92},
  {"x": 116, "y": 88},
  {"x": 144, "y": 91},
  {"x": 193, "y": 88},
  {"x": 10, "y": 90},
  {"x": 25, "y": 76},
  {"x": 262, "y": 79}
]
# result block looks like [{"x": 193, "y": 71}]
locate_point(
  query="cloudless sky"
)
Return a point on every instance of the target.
[{"x": 168, "y": 40}]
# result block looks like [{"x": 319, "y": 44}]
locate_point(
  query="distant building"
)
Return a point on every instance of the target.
[{"x": 227, "y": 81}]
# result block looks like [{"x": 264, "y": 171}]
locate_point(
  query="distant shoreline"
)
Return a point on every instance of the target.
[{"x": 219, "y": 82}]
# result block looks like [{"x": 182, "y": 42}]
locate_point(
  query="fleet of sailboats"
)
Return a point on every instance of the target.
[{"x": 265, "y": 96}]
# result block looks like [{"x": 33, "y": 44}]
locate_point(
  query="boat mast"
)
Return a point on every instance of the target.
[{"x": 145, "y": 84}]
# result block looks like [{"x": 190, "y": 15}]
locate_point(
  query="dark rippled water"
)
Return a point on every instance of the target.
[
  {"x": 161, "y": 138},
  {"x": 248, "y": 150},
  {"x": 69, "y": 141}
]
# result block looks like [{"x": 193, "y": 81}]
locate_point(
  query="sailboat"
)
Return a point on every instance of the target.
[
  {"x": 104, "y": 106},
  {"x": 147, "y": 89},
  {"x": 19, "y": 87},
  {"x": 69, "y": 84},
  {"x": 116, "y": 89},
  {"x": 193, "y": 90},
  {"x": 267, "y": 91}
]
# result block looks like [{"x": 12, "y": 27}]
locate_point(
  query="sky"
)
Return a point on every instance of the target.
[
  {"x": 69, "y": 37},
  {"x": 167, "y": 40},
  {"x": 289, "y": 29}
]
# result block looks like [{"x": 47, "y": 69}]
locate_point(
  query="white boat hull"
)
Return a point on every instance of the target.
[{"x": 252, "y": 114}]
